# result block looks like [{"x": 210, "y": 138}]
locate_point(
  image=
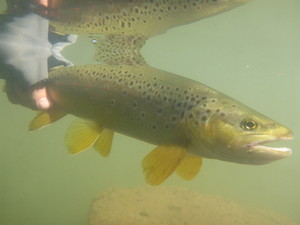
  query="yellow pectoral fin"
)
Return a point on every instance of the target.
[
  {"x": 159, "y": 164},
  {"x": 104, "y": 141},
  {"x": 44, "y": 118},
  {"x": 189, "y": 167},
  {"x": 81, "y": 135}
]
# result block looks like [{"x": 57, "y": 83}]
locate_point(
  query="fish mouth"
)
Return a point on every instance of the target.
[
  {"x": 259, "y": 146},
  {"x": 268, "y": 153},
  {"x": 252, "y": 149}
]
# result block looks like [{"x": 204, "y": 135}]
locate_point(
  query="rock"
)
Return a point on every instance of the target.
[{"x": 174, "y": 206}]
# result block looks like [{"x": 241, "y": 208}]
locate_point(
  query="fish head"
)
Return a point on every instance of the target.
[{"x": 230, "y": 131}]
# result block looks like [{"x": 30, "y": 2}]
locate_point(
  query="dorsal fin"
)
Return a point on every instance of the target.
[{"x": 116, "y": 50}]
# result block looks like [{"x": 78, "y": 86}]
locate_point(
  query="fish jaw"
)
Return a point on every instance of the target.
[
  {"x": 250, "y": 148},
  {"x": 268, "y": 154}
]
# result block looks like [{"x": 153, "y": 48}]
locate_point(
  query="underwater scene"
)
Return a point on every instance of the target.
[{"x": 153, "y": 176}]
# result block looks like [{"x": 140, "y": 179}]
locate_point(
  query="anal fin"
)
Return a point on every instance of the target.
[{"x": 161, "y": 162}]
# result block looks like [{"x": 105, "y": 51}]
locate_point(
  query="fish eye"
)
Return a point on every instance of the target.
[{"x": 248, "y": 124}]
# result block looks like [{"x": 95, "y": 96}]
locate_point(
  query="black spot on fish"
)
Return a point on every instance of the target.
[
  {"x": 203, "y": 118},
  {"x": 112, "y": 102},
  {"x": 134, "y": 105},
  {"x": 189, "y": 107},
  {"x": 159, "y": 110}
]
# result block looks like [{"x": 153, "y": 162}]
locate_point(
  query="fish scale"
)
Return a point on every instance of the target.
[
  {"x": 142, "y": 102},
  {"x": 120, "y": 28},
  {"x": 135, "y": 17}
]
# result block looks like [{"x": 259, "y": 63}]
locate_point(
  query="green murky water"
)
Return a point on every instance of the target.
[{"x": 251, "y": 53}]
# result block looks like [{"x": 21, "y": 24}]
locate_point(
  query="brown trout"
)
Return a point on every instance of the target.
[
  {"x": 185, "y": 119},
  {"x": 133, "y": 17},
  {"x": 122, "y": 27}
]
